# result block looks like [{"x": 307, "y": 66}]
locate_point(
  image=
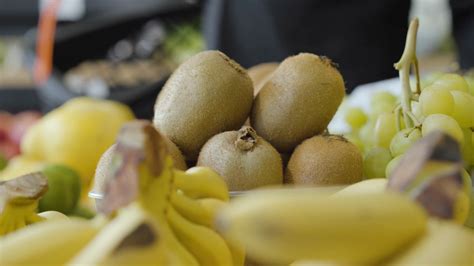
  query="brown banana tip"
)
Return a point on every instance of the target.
[
  {"x": 436, "y": 146},
  {"x": 30, "y": 186},
  {"x": 138, "y": 143},
  {"x": 142, "y": 236}
]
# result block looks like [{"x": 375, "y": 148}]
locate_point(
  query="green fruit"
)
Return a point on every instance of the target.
[
  {"x": 206, "y": 95},
  {"x": 64, "y": 189},
  {"x": 375, "y": 162},
  {"x": 392, "y": 164},
  {"x": 298, "y": 101}
]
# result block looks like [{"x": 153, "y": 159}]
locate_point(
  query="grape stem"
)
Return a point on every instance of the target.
[
  {"x": 403, "y": 66},
  {"x": 398, "y": 113}
]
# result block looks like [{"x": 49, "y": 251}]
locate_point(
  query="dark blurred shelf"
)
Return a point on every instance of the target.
[{"x": 18, "y": 99}]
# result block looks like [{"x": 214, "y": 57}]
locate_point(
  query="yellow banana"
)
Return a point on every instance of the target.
[
  {"x": 445, "y": 243},
  {"x": 283, "y": 226},
  {"x": 142, "y": 183},
  {"x": 192, "y": 209},
  {"x": 19, "y": 201},
  {"x": 48, "y": 243},
  {"x": 53, "y": 215},
  {"x": 470, "y": 219},
  {"x": 212, "y": 206},
  {"x": 236, "y": 249},
  {"x": 206, "y": 245},
  {"x": 132, "y": 237},
  {"x": 192, "y": 183},
  {"x": 375, "y": 185}
]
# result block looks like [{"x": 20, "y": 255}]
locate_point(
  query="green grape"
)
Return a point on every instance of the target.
[
  {"x": 416, "y": 110},
  {"x": 380, "y": 108},
  {"x": 463, "y": 111},
  {"x": 375, "y": 162},
  {"x": 428, "y": 80},
  {"x": 356, "y": 141},
  {"x": 452, "y": 81},
  {"x": 392, "y": 164},
  {"x": 443, "y": 123},
  {"x": 355, "y": 117},
  {"x": 403, "y": 140},
  {"x": 435, "y": 100},
  {"x": 470, "y": 82},
  {"x": 366, "y": 134},
  {"x": 385, "y": 129},
  {"x": 383, "y": 97}
]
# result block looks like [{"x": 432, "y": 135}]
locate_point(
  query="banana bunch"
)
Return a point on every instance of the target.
[
  {"x": 287, "y": 225},
  {"x": 37, "y": 242},
  {"x": 51, "y": 242},
  {"x": 445, "y": 243},
  {"x": 162, "y": 216},
  {"x": 19, "y": 199},
  {"x": 304, "y": 227}
]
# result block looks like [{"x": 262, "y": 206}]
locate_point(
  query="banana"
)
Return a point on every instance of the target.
[
  {"x": 192, "y": 183},
  {"x": 132, "y": 237},
  {"x": 192, "y": 209},
  {"x": 375, "y": 185},
  {"x": 143, "y": 188},
  {"x": 236, "y": 249},
  {"x": 49, "y": 243},
  {"x": 283, "y": 226},
  {"x": 445, "y": 243},
  {"x": 212, "y": 206},
  {"x": 19, "y": 201},
  {"x": 53, "y": 215},
  {"x": 470, "y": 219},
  {"x": 206, "y": 245}
]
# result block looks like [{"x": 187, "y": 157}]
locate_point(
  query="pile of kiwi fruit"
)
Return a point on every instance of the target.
[{"x": 258, "y": 127}]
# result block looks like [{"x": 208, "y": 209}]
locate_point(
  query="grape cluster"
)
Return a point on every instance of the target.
[{"x": 445, "y": 103}]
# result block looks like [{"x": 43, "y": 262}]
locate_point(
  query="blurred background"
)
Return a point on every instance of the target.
[{"x": 124, "y": 50}]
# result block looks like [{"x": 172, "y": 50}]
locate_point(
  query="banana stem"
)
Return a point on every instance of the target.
[{"x": 403, "y": 66}]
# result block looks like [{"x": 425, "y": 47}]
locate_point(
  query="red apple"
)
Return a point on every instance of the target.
[{"x": 9, "y": 149}]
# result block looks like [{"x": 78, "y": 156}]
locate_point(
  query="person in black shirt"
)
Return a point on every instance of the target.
[{"x": 364, "y": 37}]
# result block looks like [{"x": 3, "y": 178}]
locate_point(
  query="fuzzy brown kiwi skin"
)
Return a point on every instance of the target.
[
  {"x": 325, "y": 160},
  {"x": 243, "y": 159},
  {"x": 175, "y": 153},
  {"x": 206, "y": 95},
  {"x": 298, "y": 101},
  {"x": 260, "y": 74}
]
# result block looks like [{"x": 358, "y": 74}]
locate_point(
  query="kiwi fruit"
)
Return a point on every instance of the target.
[
  {"x": 260, "y": 74},
  {"x": 325, "y": 160},
  {"x": 175, "y": 153},
  {"x": 103, "y": 165},
  {"x": 298, "y": 101},
  {"x": 207, "y": 94},
  {"x": 243, "y": 159}
]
